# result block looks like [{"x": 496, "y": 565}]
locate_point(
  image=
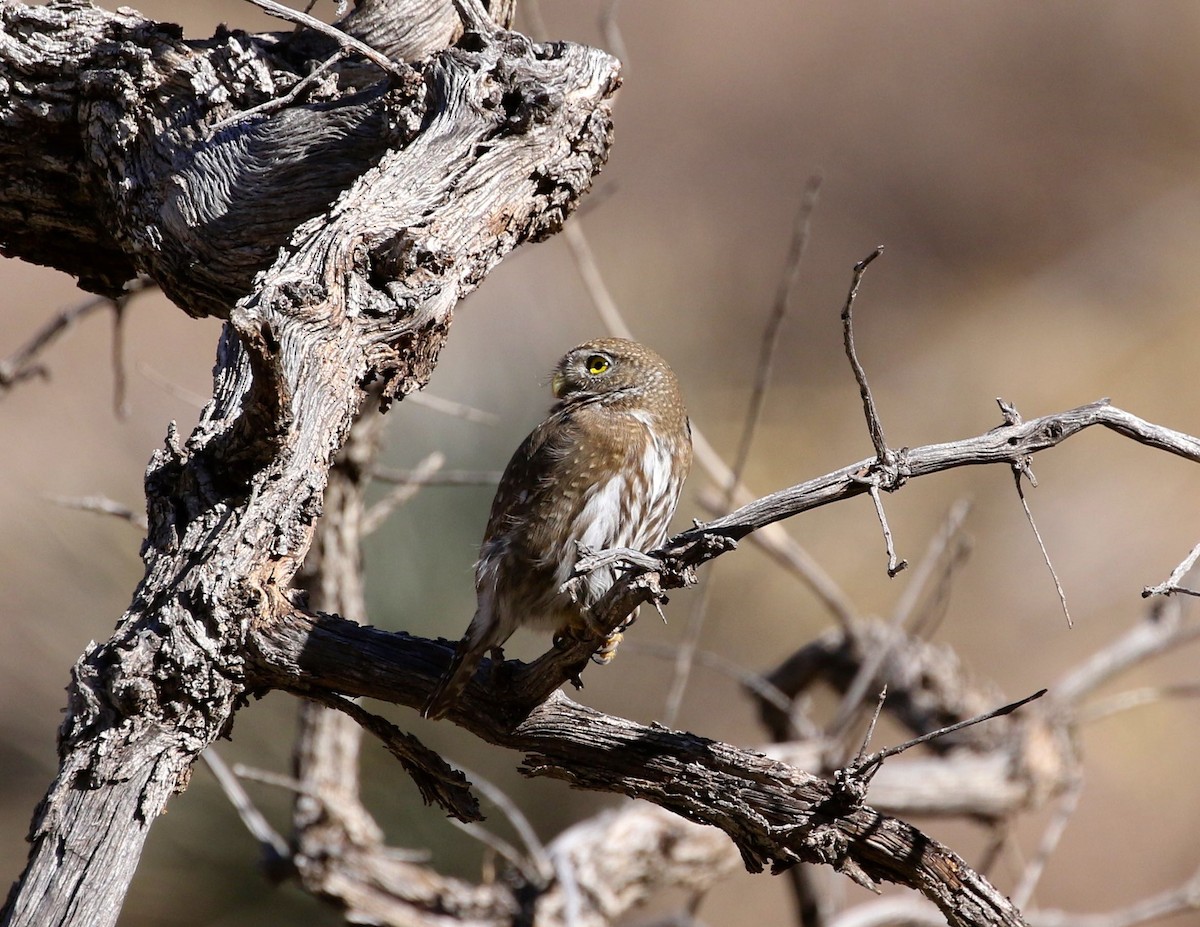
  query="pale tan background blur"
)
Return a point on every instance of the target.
[{"x": 1033, "y": 172}]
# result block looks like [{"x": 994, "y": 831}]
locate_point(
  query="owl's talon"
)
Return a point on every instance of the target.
[{"x": 608, "y": 649}]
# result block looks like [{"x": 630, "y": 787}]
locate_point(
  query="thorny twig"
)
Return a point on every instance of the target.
[
  {"x": 895, "y": 564},
  {"x": 866, "y": 768},
  {"x": 1021, "y": 467},
  {"x": 678, "y": 557}
]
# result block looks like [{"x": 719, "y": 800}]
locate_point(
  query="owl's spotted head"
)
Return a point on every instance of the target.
[{"x": 613, "y": 369}]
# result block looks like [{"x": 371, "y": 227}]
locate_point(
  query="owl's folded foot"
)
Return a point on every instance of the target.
[
  {"x": 608, "y": 649},
  {"x": 603, "y": 654}
]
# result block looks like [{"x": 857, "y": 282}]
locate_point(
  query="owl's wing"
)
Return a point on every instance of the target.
[
  {"x": 522, "y": 493},
  {"x": 531, "y": 478}
]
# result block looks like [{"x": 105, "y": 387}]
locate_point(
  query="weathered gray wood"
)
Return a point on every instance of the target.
[
  {"x": 431, "y": 183},
  {"x": 774, "y": 813}
]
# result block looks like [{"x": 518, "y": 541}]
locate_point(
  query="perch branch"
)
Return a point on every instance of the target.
[
  {"x": 774, "y": 813},
  {"x": 679, "y": 557}
]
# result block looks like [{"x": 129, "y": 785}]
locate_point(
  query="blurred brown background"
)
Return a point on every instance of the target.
[{"x": 1033, "y": 172}]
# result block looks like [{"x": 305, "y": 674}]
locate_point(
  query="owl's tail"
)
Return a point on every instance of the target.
[{"x": 478, "y": 639}]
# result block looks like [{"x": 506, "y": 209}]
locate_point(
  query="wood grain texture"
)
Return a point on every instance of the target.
[{"x": 335, "y": 237}]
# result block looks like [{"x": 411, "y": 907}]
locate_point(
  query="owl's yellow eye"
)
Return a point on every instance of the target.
[{"x": 597, "y": 364}]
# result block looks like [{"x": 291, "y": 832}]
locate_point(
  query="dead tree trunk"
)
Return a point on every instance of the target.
[{"x": 334, "y": 229}]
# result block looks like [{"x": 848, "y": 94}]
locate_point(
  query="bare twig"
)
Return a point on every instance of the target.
[
  {"x": 870, "y": 732},
  {"x": 453, "y": 408},
  {"x": 20, "y": 364},
  {"x": 612, "y": 34},
  {"x": 788, "y": 282},
  {"x": 117, "y": 357},
  {"x": 502, "y": 848},
  {"x": 749, "y": 680},
  {"x": 275, "y": 848},
  {"x": 868, "y": 767},
  {"x": 1134, "y": 698},
  {"x": 103, "y": 506},
  {"x": 998, "y": 446},
  {"x": 874, "y": 426},
  {"x": 593, "y": 281},
  {"x": 266, "y": 777},
  {"x": 892, "y": 911},
  {"x": 544, "y": 868},
  {"x": 885, "y": 458},
  {"x": 1057, "y": 826},
  {"x": 941, "y": 545},
  {"x": 438, "y": 478},
  {"x": 344, "y": 40},
  {"x": 1163, "y": 629},
  {"x": 158, "y": 379},
  {"x": 678, "y": 557},
  {"x": 1156, "y": 907},
  {"x": 377, "y": 514},
  {"x": 789, "y": 554},
  {"x": 895, "y": 565},
  {"x": 1018, "y": 470},
  {"x": 1172, "y": 583},
  {"x": 865, "y": 677},
  {"x": 282, "y": 102}
]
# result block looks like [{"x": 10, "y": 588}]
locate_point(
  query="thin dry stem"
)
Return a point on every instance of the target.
[
  {"x": 275, "y": 848},
  {"x": 452, "y": 408},
  {"x": 1051, "y": 836},
  {"x": 101, "y": 505},
  {"x": 377, "y": 514},
  {"x": 381, "y": 61},
  {"x": 874, "y": 426},
  {"x": 1062, "y": 595}
]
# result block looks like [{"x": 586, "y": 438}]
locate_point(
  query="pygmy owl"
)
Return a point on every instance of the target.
[{"x": 603, "y": 470}]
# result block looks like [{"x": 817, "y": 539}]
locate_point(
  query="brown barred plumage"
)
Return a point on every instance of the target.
[{"x": 604, "y": 469}]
